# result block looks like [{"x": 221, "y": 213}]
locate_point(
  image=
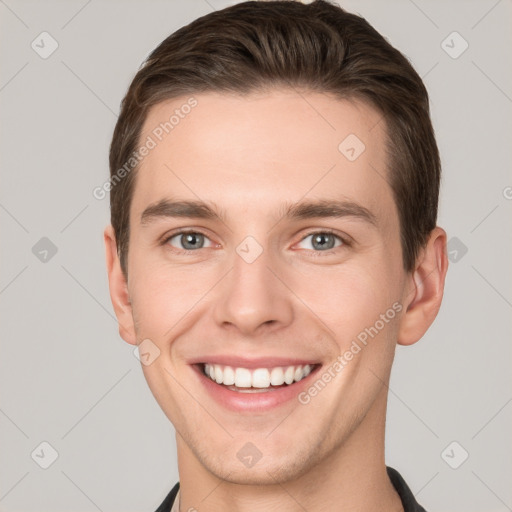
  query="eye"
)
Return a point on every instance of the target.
[
  {"x": 189, "y": 240},
  {"x": 321, "y": 241}
]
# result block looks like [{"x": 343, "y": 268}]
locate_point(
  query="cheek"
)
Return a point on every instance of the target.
[
  {"x": 162, "y": 295},
  {"x": 360, "y": 307},
  {"x": 348, "y": 299}
]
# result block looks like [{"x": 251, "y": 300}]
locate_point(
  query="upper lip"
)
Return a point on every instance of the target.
[{"x": 252, "y": 363}]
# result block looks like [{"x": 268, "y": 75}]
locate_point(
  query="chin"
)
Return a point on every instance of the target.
[{"x": 269, "y": 470}]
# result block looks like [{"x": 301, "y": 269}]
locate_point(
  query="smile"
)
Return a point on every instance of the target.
[{"x": 256, "y": 380}]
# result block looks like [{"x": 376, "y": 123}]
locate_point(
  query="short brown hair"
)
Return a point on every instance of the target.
[{"x": 258, "y": 45}]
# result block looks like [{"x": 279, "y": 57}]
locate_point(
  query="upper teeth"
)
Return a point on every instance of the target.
[{"x": 257, "y": 378}]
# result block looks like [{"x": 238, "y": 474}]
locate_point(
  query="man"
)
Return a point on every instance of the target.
[{"x": 274, "y": 189}]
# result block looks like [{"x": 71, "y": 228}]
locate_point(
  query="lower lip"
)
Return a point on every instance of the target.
[{"x": 253, "y": 401}]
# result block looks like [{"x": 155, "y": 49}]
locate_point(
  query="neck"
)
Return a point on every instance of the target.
[{"x": 353, "y": 478}]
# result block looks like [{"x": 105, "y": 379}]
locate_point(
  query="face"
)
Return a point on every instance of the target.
[{"x": 265, "y": 250}]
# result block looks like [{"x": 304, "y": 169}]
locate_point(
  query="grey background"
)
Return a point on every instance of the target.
[{"x": 66, "y": 376}]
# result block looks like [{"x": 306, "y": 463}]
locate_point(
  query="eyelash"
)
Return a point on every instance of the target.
[
  {"x": 186, "y": 252},
  {"x": 345, "y": 242}
]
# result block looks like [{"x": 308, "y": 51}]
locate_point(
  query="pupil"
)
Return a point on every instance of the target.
[
  {"x": 323, "y": 241},
  {"x": 191, "y": 240}
]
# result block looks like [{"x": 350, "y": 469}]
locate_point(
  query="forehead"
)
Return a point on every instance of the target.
[{"x": 261, "y": 149}]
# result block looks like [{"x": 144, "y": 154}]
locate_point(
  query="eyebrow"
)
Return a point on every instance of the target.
[
  {"x": 166, "y": 208},
  {"x": 329, "y": 208},
  {"x": 323, "y": 208}
]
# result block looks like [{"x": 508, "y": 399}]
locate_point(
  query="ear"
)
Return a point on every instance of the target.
[
  {"x": 118, "y": 288},
  {"x": 425, "y": 291}
]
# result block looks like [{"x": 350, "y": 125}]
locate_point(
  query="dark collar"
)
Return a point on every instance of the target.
[{"x": 408, "y": 500}]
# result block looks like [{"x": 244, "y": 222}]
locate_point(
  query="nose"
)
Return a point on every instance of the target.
[{"x": 252, "y": 299}]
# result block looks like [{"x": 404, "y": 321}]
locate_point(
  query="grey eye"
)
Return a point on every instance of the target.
[
  {"x": 189, "y": 241},
  {"x": 322, "y": 241}
]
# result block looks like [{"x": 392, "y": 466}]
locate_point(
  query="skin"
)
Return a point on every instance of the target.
[{"x": 250, "y": 155}]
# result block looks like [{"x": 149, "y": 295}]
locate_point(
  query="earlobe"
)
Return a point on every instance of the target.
[
  {"x": 426, "y": 291},
  {"x": 118, "y": 288}
]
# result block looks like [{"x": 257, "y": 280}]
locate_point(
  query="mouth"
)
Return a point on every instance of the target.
[
  {"x": 256, "y": 386},
  {"x": 257, "y": 380}
]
